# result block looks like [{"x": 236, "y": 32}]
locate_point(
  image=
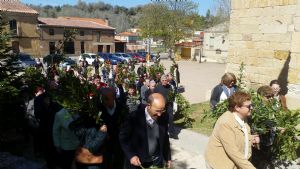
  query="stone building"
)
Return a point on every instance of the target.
[
  {"x": 93, "y": 35},
  {"x": 215, "y": 46},
  {"x": 265, "y": 35},
  {"x": 189, "y": 50},
  {"x": 22, "y": 23},
  {"x": 133, "y": 42}
]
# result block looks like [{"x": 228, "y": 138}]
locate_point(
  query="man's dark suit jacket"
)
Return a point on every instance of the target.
[{"x": 134, "y": 140}]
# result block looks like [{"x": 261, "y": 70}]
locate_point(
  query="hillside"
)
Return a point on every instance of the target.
[{"x": 119, "y": 17}]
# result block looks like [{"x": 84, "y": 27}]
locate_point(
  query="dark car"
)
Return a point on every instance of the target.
[
  {"x": 145, "y": 53},
  {"x": 110, "y": 57},
  {"x": 25, "y": 60},
  {"x": 125, "y": 58},
  {"x": 137, "y": 57},
  {"x": 53, "y": 59},
  {"x": 68, "y": 62}
]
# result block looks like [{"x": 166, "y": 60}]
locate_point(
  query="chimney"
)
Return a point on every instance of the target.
[{"x": 106, "y": 21}]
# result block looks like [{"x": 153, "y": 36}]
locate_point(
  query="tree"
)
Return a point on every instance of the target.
[
  {"x": 10, "y": 82},
  {"x": 222, "y": 8},
  {"x": 170, "y": 21},
  {"x": 221, "y": 13}
]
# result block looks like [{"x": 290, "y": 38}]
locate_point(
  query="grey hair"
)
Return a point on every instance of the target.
[
  {"x": 152, "y": 82},
  {"x": 163, "y": 77}
]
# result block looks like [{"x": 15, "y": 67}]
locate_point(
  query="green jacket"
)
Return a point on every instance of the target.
[{"x": 63, "y": 137}]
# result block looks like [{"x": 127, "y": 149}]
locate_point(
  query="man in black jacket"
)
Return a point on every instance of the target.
[
  {"x": 113, "y": 114},
  {"x": 144, "y": 135},
  {"x": 165, "y": 89}
]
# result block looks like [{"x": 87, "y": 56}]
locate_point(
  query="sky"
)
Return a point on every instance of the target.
[{"x": 204, "y": 5}]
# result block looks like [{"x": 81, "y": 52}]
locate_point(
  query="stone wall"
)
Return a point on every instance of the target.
[{"x": 265, "y": 35}]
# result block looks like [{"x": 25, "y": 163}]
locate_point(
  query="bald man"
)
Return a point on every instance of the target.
[{"x": 144, "y": 136}]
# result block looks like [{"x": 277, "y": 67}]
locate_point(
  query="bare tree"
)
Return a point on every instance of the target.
[{"x": 222, "y": 9}]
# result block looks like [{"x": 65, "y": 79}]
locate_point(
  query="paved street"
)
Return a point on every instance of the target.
[{"x": 198, "y": 80}]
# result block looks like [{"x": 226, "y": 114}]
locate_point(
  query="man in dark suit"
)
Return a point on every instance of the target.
[
  {"x": 113, "y": 114},
  {"x": 144, "y": 135},
  {"x": 168, "y": 92}
]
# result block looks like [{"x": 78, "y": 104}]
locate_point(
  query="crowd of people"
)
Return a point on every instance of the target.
[
  {"x": 136, "y": 111},
  {"x": 232, "y": 142},
  {"x": 131, "y": 130}
]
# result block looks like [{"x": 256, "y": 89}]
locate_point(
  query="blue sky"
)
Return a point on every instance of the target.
[{"x": 203, "y": 4}]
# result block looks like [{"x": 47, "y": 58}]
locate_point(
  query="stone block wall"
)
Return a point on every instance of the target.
[{"x": 265, "y": 35}]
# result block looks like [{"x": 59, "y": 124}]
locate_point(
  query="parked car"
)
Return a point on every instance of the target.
[
  {"x": 53, "y": 59},
  {"x": 110, "y": 57},
  {"x": 25, "y": 60},
  {"x": 68, "y": 62},
  {"x": 89, "y": 57},
  {"x": 138, "y": 57},
  {"x": 124, "y": 56},
  {"x": 143, "y": 54}
]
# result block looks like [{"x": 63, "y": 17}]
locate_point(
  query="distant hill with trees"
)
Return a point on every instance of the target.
[{"x": 120, "y": 17}]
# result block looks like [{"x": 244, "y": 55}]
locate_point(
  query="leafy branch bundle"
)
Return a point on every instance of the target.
[
  {"x": 183, "y": 107},
  {"x": 126, "y": 76},
  {"x": 156, "y": 68},
  {"x": 78, "y": 96}
]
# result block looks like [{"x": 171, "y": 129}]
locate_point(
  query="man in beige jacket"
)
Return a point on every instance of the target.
[{"x": 229, "y": 146}]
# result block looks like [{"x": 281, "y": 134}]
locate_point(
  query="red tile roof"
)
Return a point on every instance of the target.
[
  {"x": 97, "y": 20},
  {"x": 127, "y": 34},
  {"x": 15, "y": 6},
  {"x": 61, "y": 22}
]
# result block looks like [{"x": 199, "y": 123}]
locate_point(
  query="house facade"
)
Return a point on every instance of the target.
[
  {"x": 91, "y": 36},
  {"x": 22, "y": 24},
  {"x": 215, "y": 46},
  {"x": 39, "y": 36},
  {"x": 133, "y": 44}
]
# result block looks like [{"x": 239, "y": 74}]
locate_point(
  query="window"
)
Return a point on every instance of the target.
[
  {"x": 13, "y": 26},
  {"x": 81, "y": 33},
  {"x": 82, "y": 47},
  {"x": 211, "y": 42},
  {"x": 51, "y": 31},
  {"x": 98, "y": 37},
  {"x": 108, "y": 48},
  {"x": 51, "y": 47},
  {"x": 100, "y": 48},
  {"x": 69, "y": 47}
]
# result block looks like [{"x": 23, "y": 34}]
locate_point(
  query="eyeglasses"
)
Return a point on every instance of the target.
[
  {"x": 250, "y": 106},
  {"x": 269, "y": 96}
]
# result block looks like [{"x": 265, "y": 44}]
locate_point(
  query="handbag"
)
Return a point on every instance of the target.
[{"x": 84, "y": 156}]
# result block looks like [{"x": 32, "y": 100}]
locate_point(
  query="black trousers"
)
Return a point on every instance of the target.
[{"x": 66, "y": 158}]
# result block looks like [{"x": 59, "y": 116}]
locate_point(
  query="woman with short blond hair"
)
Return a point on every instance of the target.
[{"x": 223, "y": 90}]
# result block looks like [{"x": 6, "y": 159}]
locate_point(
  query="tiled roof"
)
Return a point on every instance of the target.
[
  {"x": 15, "y": 6},
  {"x": 96, "y": 20},
  {"x": 127, "y": 34},
  {"x": 61, "y": 22}
]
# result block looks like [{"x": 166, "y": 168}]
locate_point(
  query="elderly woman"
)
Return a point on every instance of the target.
[
  {"x": 274, "y": 84},
  {"x": 223, "y": 90},
  {"x": 229, "y": 146}
]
